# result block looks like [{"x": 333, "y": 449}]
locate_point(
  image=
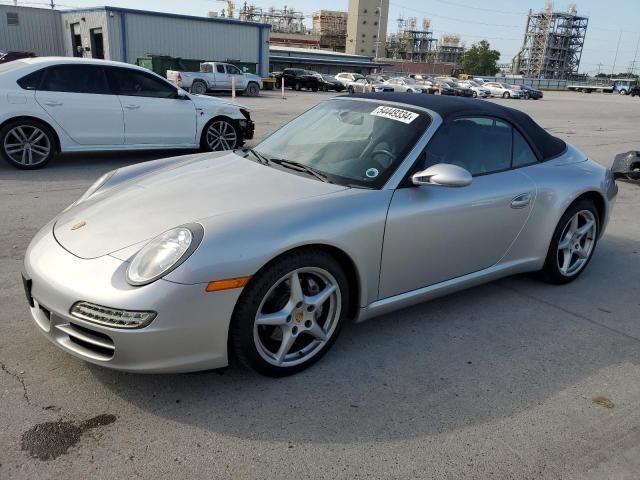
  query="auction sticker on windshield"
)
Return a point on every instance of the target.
[{"x": 398, "y": 114}]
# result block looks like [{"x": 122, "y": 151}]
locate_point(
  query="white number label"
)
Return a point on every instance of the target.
[{"x": 397, "y": 114}]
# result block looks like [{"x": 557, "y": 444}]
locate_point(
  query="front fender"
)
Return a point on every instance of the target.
[{"x": 241, "y": 243}]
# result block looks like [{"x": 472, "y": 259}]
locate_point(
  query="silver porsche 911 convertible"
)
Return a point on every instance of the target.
[{"x": 360, "y": 206}]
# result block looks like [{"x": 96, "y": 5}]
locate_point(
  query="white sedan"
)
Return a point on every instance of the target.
[
  {"x": 52, "y": 105},
  {"x": 502, "y": 90}
]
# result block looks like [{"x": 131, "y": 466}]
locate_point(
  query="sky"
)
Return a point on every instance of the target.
[{"x": 501, "y": 22}]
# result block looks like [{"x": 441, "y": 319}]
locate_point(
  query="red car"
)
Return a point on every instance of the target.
[{"x": 10, "y": 56}]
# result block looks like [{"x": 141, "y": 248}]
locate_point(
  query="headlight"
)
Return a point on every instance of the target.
[{"x": 164, "y": 253}]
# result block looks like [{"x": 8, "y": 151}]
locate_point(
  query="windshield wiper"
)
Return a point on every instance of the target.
[
  {"x": 301, "y": 167},
  {"x": 261, "y": 158}
]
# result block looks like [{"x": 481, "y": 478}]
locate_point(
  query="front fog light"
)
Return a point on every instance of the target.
[
  {"x": 111, "y": 317},
  {"x": 164, "y": 253}
]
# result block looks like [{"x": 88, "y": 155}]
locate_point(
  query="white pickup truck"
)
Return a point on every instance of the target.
[{"x": 216, "y": 77}]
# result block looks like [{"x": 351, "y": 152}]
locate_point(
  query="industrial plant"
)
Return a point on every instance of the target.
[{"x": 553, "y": 43}]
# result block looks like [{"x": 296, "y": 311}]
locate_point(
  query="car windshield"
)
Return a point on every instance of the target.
[{"x": 353, "y": 142}]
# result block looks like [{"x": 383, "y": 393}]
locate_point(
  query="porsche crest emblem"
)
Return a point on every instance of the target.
[{"x": 79, "y": 225}]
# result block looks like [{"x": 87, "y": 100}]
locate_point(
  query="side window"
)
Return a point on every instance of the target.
[
  {"x": 128, "y": 82},
  {"x": 31, "y": 81},
  {"x": 522, "y": 153},
  {"x": 481, "y": 145},
  {"x": 75, "y": 79},
  {"x": 220, "y": 68},
  {"x": 233, "y": 70}
]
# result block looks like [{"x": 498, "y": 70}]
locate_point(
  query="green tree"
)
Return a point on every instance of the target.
[{"x": 481, "y": 60}]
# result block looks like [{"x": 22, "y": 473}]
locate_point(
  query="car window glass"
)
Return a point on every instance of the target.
[
  {"x": 220, "y": 68},
  {"x": 75, "y": 79},
  {"x": 31, "y": 81},
  {"x": 134, "y": 83},
  {"x": 232, "y": 70},
  {"x": 522, "y": 153},
  {"x": 480, "y": 145}
]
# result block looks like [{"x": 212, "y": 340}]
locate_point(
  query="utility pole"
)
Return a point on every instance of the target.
[
  {"x": 615, "y": 59},
  {"x": 635, "y": 56}
]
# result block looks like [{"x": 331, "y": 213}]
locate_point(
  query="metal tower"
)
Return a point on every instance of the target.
[{"x": 553, "y": 43}]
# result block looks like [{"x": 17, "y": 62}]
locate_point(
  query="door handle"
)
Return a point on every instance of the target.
[
  {"x": 131, "y": 107},
  {"x": 53, "y": 103},
  {"x": 521, "y": 200}
]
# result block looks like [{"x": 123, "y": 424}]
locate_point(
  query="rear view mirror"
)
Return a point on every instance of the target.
[
  {"x": 351, "y": 118},
  {"x": 443, "y": 175}
]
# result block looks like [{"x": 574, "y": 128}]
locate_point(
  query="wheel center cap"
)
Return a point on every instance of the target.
[{"x": 299, "y": 316}]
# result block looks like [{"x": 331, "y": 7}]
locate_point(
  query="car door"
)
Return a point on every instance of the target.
[
  {"x": 78, "y": 99},
  {"x": 236, "y": 75},
  {"x": 223, "y": 79},
  {"x": 154, "y": 114},
  {"x": 434, "y": 234}
]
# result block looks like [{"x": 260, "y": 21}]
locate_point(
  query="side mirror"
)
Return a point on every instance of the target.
[
  {"x": 443, "y": 175},
  {"x": 182, "y": 95}
]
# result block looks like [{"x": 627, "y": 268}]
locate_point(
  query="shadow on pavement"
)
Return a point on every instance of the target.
[{"x": 473, "y": 357}]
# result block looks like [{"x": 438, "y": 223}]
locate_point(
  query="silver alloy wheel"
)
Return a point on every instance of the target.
[
  {"x": 27, "y": 145},
  {"x": 297, "y": 317},
  {"x": 221, "y": 135},
  {"x": 576, "y": 243}
]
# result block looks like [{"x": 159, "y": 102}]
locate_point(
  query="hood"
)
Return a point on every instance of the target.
[
  {"x": 150, "y": 204},
  {"x": 204, "y": 101}
]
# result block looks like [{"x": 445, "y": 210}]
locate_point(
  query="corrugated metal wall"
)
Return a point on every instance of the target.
[
  {"x": 38, "y": 31},
  {"x": 178, "y": 37}
]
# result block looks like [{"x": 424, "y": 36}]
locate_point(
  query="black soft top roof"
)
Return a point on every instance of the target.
[{"x": 545, "y": 145}]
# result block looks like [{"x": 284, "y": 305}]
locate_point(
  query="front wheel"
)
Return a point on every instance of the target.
[
  {"x": 298, "y": 86},
  {"x": 573, "y": 243},
  {"x": 475, "y": 94},
  {"x": 506, "y": 95},
  {"x": 290, "y": 313},
  {"x": 526, "y": 96},
  {"x": 27, "y": 144},
  {"x": 220, "y": 134}
]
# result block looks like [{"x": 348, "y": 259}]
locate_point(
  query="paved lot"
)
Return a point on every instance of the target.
[{"x": 494, "y": 382}]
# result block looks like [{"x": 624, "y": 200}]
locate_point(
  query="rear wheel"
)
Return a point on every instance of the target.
[
  {"x": 623, "y": 92},
  {"x": 351, "y": 90},
  {"x": 220, "y": 134},
  {"x": 27, "y": 144},
  {"x": 573, "y": 243},
  {"x": 253, "y": 90},
  {"x": 526, "y": 95},
  {"x": 290, "y": 313},
  {"x": 198, "y": 87},
  {"x": 475, "y": 94},
  {"x": 506, "y": 95},
  {"x": 298, "y": 86}
]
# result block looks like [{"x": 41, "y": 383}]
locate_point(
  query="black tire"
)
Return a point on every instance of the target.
[
  {"x": 278, "y": 84},
  {"x": 475, "y": 94},
  {"x": 551, "y": 273},
  {"x": 241, "y": 335},
  {"x": 253, "y": 90},
  {"x": 29, "y": 127},
  {"x": 506, "y": 95},
  {"x": 198, "y": 87},
  {"x": 526, "y": 95},
  {"x": 623, "y": 92},
  {"x": 325, "y": 88},
  {"x": 351, "y": 90},
  {"x": 298, "y": 86},
  {"x": 205, "y": 140}
]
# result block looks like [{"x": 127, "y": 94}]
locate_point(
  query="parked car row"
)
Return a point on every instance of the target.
[
  {"x": 299, "y": 79},
  {"x": 57, "y": 105}
]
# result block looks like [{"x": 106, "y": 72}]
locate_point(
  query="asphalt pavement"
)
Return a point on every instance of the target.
[{"x": 514, "y": 379}]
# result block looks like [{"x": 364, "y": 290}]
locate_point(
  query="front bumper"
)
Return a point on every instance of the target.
[
  {"x": 189, "y": 333},
  {"x": 248, "y": 129}
]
